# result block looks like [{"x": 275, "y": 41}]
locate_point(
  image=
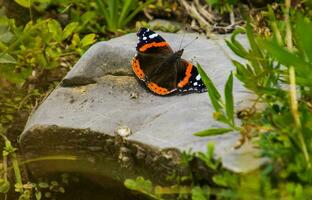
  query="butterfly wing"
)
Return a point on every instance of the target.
[
  {"x": 151, "y": 42},
  {"x": 163, "y": 75},
  {"x": 149, "y": 63},
  {"x": 189, "y": 79}
]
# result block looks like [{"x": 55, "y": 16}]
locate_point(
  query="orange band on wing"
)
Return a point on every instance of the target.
[
  {"x": 157, "y": 89},
  {"x": 153, "y": 44},
  {"x": 187, "y": 77},
  {"x": 137, "y": 69}
]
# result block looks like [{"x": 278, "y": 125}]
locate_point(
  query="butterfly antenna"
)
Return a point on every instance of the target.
[
  {"x": 181, "y": 41},
  {"x": 190, "y": 42}
]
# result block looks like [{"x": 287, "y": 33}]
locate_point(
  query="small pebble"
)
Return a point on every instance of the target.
[{"x": 123, "y": 131}]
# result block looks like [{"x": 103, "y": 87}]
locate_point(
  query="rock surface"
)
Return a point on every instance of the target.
[{"x": 104, "y": 123}]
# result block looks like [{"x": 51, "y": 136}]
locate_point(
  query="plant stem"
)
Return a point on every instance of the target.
[
  {"x": 30, "y": 11},
  {"x": 289, "y": 42},
  {"x": 5, "y": 167},
  {"x": 293, "y": 97},
  {"x": 292, "y": 89},
  {"x": 295, "y": 113},
  {"x": 17, "y": 171}
]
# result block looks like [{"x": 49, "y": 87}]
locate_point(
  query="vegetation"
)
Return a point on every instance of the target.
[
  {"x": 34, "y": 56},
  {"x": 278, "y": 71}
]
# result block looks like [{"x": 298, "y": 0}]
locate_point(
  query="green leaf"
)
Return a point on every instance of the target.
[
  {"x": 274, "y": 25},
  {"x": 198, "y": 193},
  {"x": 87, "y": 18},
  {"x": 43, "y": 185},
  {"x": 229, "y": 102},
  {"x": 5, "y": 153},
  {"x": 213, "y": 2},
  {"x": 42, "y": 60},
  {"x": 38, "y": 195},
  {"x": 5, "y": 34},
  {"x": 69, "y": 29},
  {"x": 7, "y": 71},
  {"x": 287, "y": 58},
  {"x": 303, "y": 32},
  {"x": 4, "y": 186},
  {"x": 212, "y": 132},
  {"x": 255, "y": 56},
  {"x": 88, "y": 39},
  {"x": 139, "y": 184},
  {"x": 7, "y": 59},
  {"x": 213, "y": 93},
  {"x": 236, "y": 46},
  {"x": 56, "y": 29},
  {"x": 24, "y": 3},
  {"x": 208, "y": 157},
  {"x": 220, "y": 180}
]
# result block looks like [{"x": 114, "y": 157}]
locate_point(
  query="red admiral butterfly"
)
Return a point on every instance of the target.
[{"x": 162, "y": 70}]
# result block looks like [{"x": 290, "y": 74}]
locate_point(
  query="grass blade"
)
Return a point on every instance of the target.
[
  {"x": 135, "y": 12},
  {"x": 125, "y": 10},
  {"x": 102, "y": 9}
]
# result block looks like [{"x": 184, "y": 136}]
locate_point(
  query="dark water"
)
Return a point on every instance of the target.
[{"x": 85, "y": 189}]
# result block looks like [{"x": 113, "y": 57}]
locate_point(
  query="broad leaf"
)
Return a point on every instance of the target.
[
  {"x": 24, "y": 3},
  {"x": 88, "y": 39},
  {"x": 69, "y": 29},
  {"x": 139, "y": 184},
  {"x": 4, "y": 186},
  {"x": 5, "y": 34},
  {"x": 198, "y": 193},
  {"x": 7, "y": 59},
  {"x": 56, "y": 29}
]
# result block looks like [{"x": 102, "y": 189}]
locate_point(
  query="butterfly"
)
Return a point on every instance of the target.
[{"x": 161, "y": 69}]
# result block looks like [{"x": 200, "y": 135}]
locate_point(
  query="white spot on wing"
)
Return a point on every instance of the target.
[
  {"x": 144, "y": 38},
  {"x": 198, "y": 77},
  {"x": 153, "y": 35},
  {"x": 195, "y": 83}
]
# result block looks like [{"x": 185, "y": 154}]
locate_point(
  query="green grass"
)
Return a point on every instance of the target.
[{"x": 118, "y": 13}]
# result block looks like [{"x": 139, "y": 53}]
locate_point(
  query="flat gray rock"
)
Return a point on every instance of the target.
[{"x": 100, "y": 96}]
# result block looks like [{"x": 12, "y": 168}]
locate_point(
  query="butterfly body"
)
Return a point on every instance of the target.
[{"x": 163, "y": 70}]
